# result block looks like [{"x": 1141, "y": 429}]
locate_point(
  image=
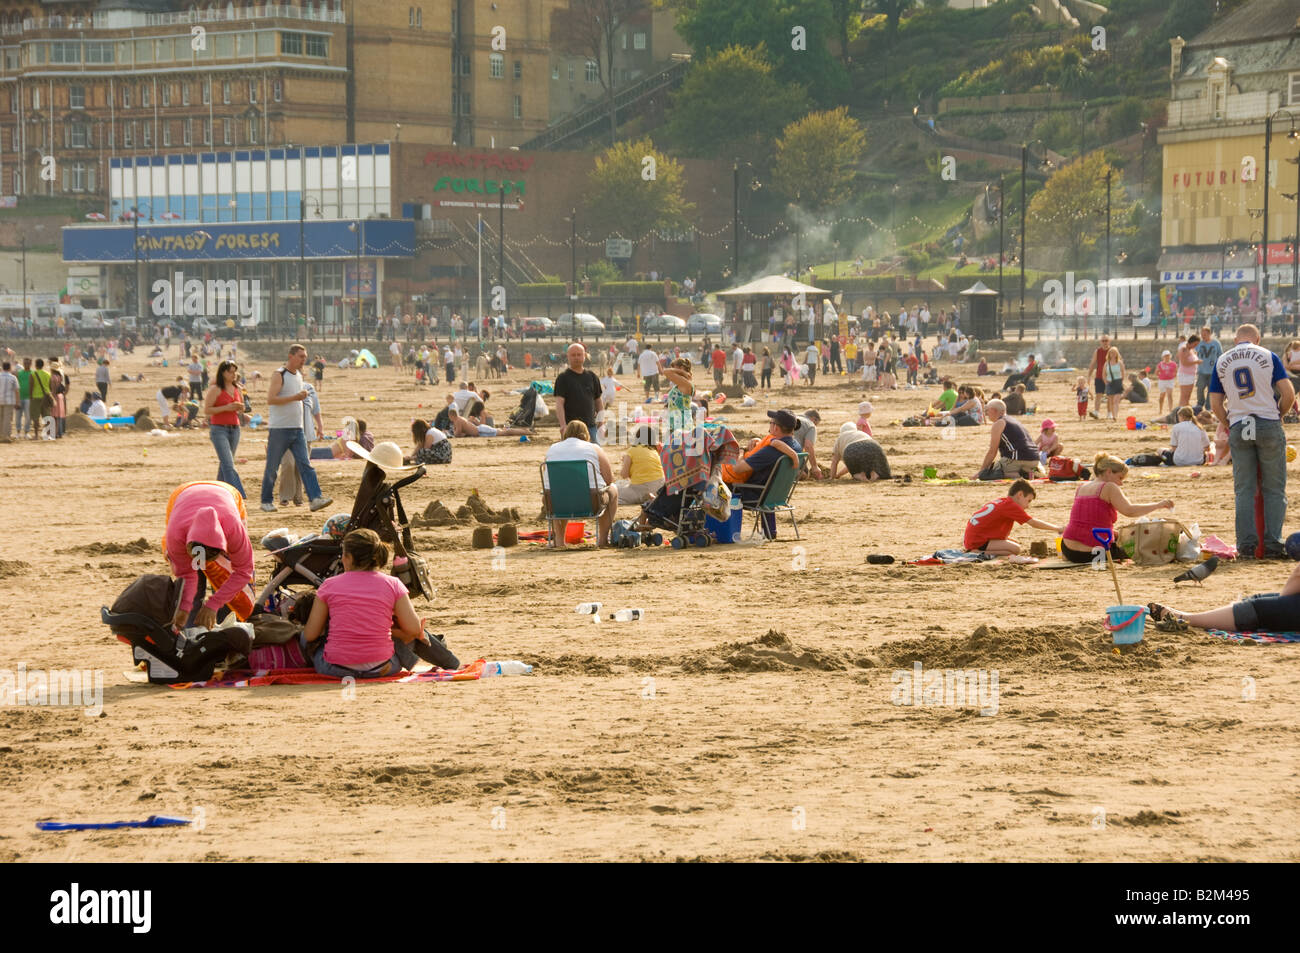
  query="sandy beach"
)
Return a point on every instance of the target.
[{"x": 750, "y": 715}]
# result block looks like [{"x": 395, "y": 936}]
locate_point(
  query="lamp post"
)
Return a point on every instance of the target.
[
  {"x": 1268, "y": 143},
  {"x": 1024, "y": 204},
  {"x": 303, "y": 283},
  {"x": 735, "y": 221},
  {"x": 1002, "y": 240},
  {"x": 1295, "y": 236},
  {"x": 1083, "y": 129},
  {"x": 1109, "y": 295},
  {"x": 23, "y": 244},
  {"x": 501, "y": 249},
  {"x": 359, "y": 226},
  {"x": 139, "y": 285}
]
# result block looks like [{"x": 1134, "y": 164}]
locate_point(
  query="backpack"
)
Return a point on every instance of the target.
[{"x": 1066, "y": 468}]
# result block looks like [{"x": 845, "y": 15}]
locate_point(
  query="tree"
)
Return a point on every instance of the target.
[
  {"x": 843, "y": 12},
  {"x": 631, "y": 197},
  {"x": 589, "y": 27},
  {"x": 732, "y": 102},
  {"x": 794, "y": 32},
  {"x": 893, "y": 11},
  {"x": 1070, "y": 210},
  {"x": 817, "y": 157}
]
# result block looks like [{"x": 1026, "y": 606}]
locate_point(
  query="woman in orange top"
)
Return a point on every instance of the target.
[{"x": 223, "y": 404}]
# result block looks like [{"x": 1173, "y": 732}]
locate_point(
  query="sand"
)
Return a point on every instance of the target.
[{"x": 750, "y": 715}]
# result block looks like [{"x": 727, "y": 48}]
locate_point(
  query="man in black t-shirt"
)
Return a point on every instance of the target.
[{"x": 577, "y": 391}]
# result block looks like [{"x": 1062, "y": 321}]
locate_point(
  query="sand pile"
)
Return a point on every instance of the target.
[
  {"x": 1083, "y": 645},
  {"x": 144, "y": 423},
  {"x": 80, "y": 423},
  {"x": 436, "y": 514},
  {"x": 12, "y": 567},
  {"x": 476, "y": 508},
  {"x": 135, "y": 548}
]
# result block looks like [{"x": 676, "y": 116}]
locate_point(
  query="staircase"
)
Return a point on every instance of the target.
[
  {"x": 460, "y": 238},
  {"x": 594, "y": 114},
  {"x": 1034, "y": 168}
]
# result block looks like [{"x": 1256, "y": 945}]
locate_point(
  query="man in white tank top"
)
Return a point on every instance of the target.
[{"x": 285, "y": 431}]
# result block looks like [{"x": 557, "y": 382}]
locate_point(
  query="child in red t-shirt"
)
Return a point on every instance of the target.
[{"x": 989, "y": 529}]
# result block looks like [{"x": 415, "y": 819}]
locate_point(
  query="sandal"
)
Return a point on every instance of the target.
[{"x": 1159, "y": 613}]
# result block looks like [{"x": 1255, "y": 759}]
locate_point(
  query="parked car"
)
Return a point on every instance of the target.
[
  {"x": 703, "y": 323},
  {"x": 203, "y": 325},
  {"x": 536, "y": 327},
  {"x": 587, "y": 323},
  {"x": 664, "y": 324}
]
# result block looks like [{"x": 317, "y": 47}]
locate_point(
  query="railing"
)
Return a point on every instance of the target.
[
  {"x": 100, "y": 21},
  {"x": 597, "y": 112},
  {"x": 1237, "y": 106}
]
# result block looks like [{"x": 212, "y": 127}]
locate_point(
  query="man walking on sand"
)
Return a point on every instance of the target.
[
  {"x": 284, "y": 398},
  {"x": 1097, "y": 368}
]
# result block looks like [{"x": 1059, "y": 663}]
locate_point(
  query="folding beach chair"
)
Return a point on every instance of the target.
[
  {"x": 570, "y": 494},
  {"x": 776, "y": 493}
]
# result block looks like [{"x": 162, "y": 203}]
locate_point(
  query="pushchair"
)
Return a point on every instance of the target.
[
  {"x": 527, "y": 410},
  {"x": 689, "y": 473},
  {"x": 310, "y": 561},
  {"x": 681, "y": 514}
]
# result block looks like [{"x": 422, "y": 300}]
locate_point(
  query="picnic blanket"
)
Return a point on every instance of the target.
[
  {"x": 964, "y": 481},
  {"x": 247, "y": 678},
  {"x": 949, "y": 557},
  {"x": 697, "y": 455},
  {"x": 1262, "y": 638}
]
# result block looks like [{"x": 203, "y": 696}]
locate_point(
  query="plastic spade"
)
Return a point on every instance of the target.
[{"x": 1105, "y": 537}]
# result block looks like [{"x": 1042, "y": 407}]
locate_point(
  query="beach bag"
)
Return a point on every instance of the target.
[
  {"x": 1151, "y": 542},
  {"x": 1066, "y": 468},
  {"x": 1145, "y": 460}
]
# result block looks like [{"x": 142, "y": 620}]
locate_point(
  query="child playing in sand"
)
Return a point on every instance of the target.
[
  {"x": 864, "y": 417},
  {"x": 1049, "y": 441},
  {"x": 989, "y": 529},
  {"x": 1081, "y": 398},
  {"x": 1222, "y": 455}
]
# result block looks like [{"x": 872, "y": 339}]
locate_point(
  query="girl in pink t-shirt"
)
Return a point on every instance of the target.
[
  {"x": 366, "y": 610},
  {"x": 1166, "y": 372}
]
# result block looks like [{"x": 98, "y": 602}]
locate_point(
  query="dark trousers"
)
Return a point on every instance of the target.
[{"x": 103, "y": 390}]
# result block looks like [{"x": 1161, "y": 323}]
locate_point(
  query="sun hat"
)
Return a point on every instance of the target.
[
  {"x": 1164, "y": 353},
  {"x": 1048, "y": 424},
  {"x": 387, "y": 456},
  {"x": 865, "y": 408}
]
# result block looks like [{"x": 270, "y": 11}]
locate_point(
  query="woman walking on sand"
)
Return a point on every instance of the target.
[{"x": 222, "y": 404}]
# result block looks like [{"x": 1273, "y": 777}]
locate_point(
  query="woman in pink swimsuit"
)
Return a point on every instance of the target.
[{"x": 1095, "y": 505}]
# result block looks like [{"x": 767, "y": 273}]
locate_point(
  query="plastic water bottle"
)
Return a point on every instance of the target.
[
  {"x": 588, "y": 608},
  {"x": 628, "y": 615},
  {"x": 512, "y": 667}
]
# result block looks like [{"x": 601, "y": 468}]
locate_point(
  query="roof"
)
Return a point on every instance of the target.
[
  {"x": 1257, "y": 20},
  {"x": 771, "y": 285},
  {"x": 979, "y": 288}
]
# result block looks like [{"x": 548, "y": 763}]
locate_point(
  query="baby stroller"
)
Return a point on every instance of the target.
[
  {"x": 310, "y": 561},
  {"x": 523, "y": 416},
  {"x": 681, "y": 514}
]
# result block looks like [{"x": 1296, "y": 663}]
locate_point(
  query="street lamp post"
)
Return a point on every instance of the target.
[
  {"x": 359, "y": 226},
  {"x": 1024, "y": 200},
  {"x": 139, "y": 285},
  {"x": 303, "y": 283},
  {"x": 1002, "y": 240},
  {"x": 26, "y": 314},
  {"x": 1109, "y": 296},
  {"x": 735, "y": 221},
  {"x": 1268, "y": 144}
]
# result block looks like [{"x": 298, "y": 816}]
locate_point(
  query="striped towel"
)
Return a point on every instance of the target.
[
  {"x": 248, "y": 678},
  {"x": 1262, "y": 638}
]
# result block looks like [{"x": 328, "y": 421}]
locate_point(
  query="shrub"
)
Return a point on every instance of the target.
[
  {"x": 541, "y": 289},
  {"x": 651, "y": 290}
]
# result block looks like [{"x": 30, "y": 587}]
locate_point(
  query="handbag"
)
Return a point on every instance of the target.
[{"x": 1151, "y": 542}]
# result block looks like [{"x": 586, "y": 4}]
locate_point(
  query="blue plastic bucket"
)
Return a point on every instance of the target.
[{"x": 1126, "y": 624}]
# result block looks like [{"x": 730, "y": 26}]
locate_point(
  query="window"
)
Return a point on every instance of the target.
[
  {"x": 419, "y": 17},
  {"x": 638, "y": 41},
  {"x": 593, "y": 71},
  {"x": 455, "y": 21},
  {"x": 318, "y": 46},
  {"x": 187, "y": 132},
  {"x": 277, "y": 89},
  {"x": 291, "y": 44},
  {"x": 225, "y": 92},
  {"x": 227, "y": 131},
  {"x": 555, "y": 72},
  {"x": 146, "y": 135},
  {"x": 519, "y": 69},
  {"x": 252, "y": 90},
  {"x": 13, "y": 101},
  {"x": 207, "y": 132},
  {"x": 253, "y": 124},
  {"x": 99, "y": 52},
  {"x": 76, "y": 97},
  {"x": 570, "y": 72},
  {"x": 207, "y": 92},
  {"x": 466, "y": 64},
  {"x": 75, "y": 135},
  {"x": 166, "y": 134},
  {"x": 128, "y": 135},
  {"x": 36, "y": 97},
  {"x": 146, "y": 95},
  {"x": 498, "y": 63},
  {"x": 74, "y": 177},
  {"x": 410, "y": 17},
  {"x": 166, "y": 93},
  {"x": 18, "y": 182},
  {"x": 624, "y": 39},
  {"x": 464, "y": 104},
  {"x": 518, "y": 107},
  {"x": 126, "y": 97},
  {"x": 67, "y": 52},
  {"x": 185, "y": 94},
  {"x": 1294, "y": 97}
]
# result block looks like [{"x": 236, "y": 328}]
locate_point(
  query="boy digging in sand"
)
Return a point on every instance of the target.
[{"x": 989, "y": 528}]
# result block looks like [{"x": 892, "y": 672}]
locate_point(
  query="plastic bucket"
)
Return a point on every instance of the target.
[
  {"x": 573, "y": 532},
  {"x": 1131, "y": 423},
  {"x": 1126, "y": 624}
]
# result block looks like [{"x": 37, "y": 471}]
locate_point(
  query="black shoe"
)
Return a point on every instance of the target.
[{"x": 1276, "y": 552}]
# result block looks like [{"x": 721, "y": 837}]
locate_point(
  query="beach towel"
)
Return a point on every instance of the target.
[
  {"x": 949, "y": 557},
  {"x": 1261, "y": 638},
  {"x": 248, "y": 678}
]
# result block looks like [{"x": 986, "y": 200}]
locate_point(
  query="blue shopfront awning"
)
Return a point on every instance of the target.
[{"x": 244, "y": 241}]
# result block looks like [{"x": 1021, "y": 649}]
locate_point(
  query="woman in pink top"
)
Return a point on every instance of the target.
[
  {"x": 366, "y": 610},
  {"x": 1187, "y": 369},
  {"x": 1095, "y": 506},
  {"x": 1166, "y": 371},
  {"x": 205, "y": 519}
]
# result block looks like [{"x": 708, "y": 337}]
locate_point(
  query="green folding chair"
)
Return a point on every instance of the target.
[
  {"x": 776, "y": 493},
  {"x": 570, "y": 495}
]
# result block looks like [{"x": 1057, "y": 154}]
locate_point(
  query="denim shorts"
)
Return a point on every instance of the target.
[{"x": 1267, "y": 612}]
